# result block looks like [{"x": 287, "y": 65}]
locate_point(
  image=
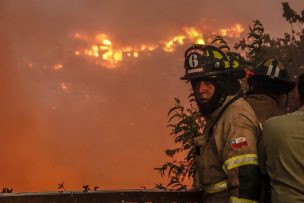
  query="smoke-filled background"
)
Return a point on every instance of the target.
[{"x": 67, "y": 116}]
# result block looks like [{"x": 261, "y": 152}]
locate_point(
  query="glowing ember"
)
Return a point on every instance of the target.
[
  {"x": 64, "y": 86},
  {"x": 30, "y": 65},
  {"x": 135, "y": 54},
  {"x": 58, "y": 66}
]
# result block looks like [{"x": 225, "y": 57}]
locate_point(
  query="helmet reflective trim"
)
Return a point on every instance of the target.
[
  {"x": 274, "y": 67},
  {"x": 217, "y": 55},
  {"x": 209, "y": 61},
  {"x": 235, "y": 64},
  {"x": 276, "y": 74},
  {"x": 235, "y": 59},
  {"x": 270, "y": 67},
  {"x": 227, "y": 64}
]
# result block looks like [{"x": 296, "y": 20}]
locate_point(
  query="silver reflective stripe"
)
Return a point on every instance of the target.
[
  {"x": 217, "y": 187},
  {"x": 241, "y": 160},
  {"x": 241, "y": 200},
  {"x": 277, "y": 71},
  {"x": 269, "y": 69}
]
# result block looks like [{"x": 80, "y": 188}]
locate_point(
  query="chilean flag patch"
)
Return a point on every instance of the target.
[{"x": 238, "y": 143}]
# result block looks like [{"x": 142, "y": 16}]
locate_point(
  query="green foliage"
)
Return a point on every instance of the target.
[
  {"x": 60, "y": 187},
  {"x": 253, "y": 46},
  {"x": 160, "y": 186},
  {"x": 7, "y": 190},
  {"x": 185, "y": 124},
  {"x": 86, "y": 188},
  {"x": 290, "y": 15},
  {"x": 289, "y": 48}
]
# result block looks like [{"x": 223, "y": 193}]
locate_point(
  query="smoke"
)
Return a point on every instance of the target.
[
  {"x": 106, "y": 127},
  {"x": 106, "y": 130}
]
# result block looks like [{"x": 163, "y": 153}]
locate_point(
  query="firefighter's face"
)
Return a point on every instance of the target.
[{"x": 204, "y": 90}]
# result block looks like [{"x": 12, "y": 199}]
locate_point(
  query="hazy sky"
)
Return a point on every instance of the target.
[{"x": 86, "y": 124}]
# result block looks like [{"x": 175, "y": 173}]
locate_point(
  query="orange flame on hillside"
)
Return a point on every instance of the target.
[
  {"x": 232, "y": 32},
  {"x": 58, "y": 66},
  {"x": 110, "y": 54}
]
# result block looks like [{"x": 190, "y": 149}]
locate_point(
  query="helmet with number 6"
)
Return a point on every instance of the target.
[
  {"x": 208, "y": 63},
  {"x": 205, "y": 61}
]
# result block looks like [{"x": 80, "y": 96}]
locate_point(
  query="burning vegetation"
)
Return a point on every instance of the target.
[{"x": 110, "y": 54}]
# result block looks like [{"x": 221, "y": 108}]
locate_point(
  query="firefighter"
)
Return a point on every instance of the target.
[
  {"x": 281, "y": 150},
  {"x": 268, "y": 82},
  {"x": 228, "y": 163}
]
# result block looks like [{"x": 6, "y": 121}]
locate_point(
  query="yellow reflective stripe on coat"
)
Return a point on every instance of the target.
[
  {"x": 241, "y": 160},
  {"x": 241, "y": 200},
  {"x": 217, "y": 187}
]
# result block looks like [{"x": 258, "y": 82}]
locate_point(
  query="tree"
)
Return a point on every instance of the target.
[
  {"x": 289, "y": 48},
  {"x": 186, "y": 124}
]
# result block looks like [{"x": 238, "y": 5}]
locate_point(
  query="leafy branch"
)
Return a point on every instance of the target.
[{"x": 185, "y": 124}]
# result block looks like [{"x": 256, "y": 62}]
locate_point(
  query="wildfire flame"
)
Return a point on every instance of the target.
[
  {"x": 232, "y": 32},
  {"x": 58, "y": 66},
  {"x": 65, "y": 87},
  {"x": 109, "y": 54}
]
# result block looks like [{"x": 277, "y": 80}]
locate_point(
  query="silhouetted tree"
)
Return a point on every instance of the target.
[
  {"x": 61, "y": 187},
  {"x": 185, "y": 124},
  {"x": 86, "y": 188},
  {"x": 7, "y": 190}
]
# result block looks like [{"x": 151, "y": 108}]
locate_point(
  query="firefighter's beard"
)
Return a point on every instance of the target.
[{"x": 209, "y": 106}]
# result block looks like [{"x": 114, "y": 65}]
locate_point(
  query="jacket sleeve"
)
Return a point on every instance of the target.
[{"x": 239, "y": 134}]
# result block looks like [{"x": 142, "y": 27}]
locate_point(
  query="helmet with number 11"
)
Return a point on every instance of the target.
[{"x": 270, "y": 75}]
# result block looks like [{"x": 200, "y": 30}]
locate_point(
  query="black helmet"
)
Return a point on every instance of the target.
[
  {"x": 236, "y": 60},
  {"x": 204, "y": 61},
  {"x": 274, "y": 71}
]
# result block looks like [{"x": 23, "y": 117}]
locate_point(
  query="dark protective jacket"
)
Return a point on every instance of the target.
[{"x": 228, "y": 161}]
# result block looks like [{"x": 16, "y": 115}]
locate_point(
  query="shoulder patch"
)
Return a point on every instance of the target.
[{"x": 238, "y": 143}]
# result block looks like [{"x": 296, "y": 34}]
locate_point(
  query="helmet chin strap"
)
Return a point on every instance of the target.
[
  {"x": 207, "y": 108},
  {"x": 217, "y": 100},
  {"x": 222, "y": 88}
]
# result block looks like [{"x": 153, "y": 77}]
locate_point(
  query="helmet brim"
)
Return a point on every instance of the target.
[
  {"x": 288, "y": 85},
  {"x": 234, "y": 74}
]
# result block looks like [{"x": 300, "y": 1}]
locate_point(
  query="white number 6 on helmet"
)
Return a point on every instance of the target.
[{"x": 193, "y": 60}]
